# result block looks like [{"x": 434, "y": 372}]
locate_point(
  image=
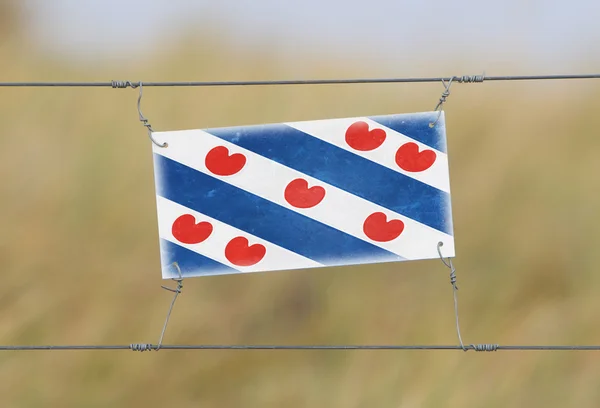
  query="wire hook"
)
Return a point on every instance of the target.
[
  {"x": 177, "y": 291},
  {"x": 443, "y": 98},
  {"x": 145, "y": 121},
  {"x": 449, "y": 265}
]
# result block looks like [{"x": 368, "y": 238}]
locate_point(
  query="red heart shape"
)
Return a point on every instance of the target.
[
  {"x": 377, "y": 228},
  {"x": 359, "y": 137},
  {"x": 299, "y": 195},
  {"x": 186, "y": 230},
  {"x": 219, "y": 162},
  {"x": 409, "y": 158},
  {"x": 239, "y": 253}
]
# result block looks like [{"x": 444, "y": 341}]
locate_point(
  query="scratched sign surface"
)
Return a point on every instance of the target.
[{"x": 303, "y": 195}]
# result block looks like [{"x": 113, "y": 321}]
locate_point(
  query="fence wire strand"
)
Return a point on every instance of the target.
[
  {"x": 459, "y": 79},
  {"x": 149, "y": 347}
]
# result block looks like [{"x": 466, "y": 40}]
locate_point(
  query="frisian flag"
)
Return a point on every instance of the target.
[{"x": 301, "y": 195}]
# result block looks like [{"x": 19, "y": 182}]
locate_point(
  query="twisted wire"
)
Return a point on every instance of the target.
[
  {"x": 141, "y": 115},
  {"x": 485, "y": 347},
  {"x": 450, "y": 266},
  {"x": 124, "y": 84},
  {"x": 176, "y": 292},
  {"x": 141, "y": 347},
  {"x": 443, "y": 98},
  {"x": 469, "y": 79}
]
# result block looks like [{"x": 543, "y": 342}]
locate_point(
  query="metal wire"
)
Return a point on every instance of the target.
[
  {"x": 145, "y": 123},
  {"x": 147, "y": 347},
  {"x": 459, "y": 79},
  {"x": 450, "y": 266},
  {"x": 142, "y": 347},
  {"x": 443, "y": 99},
  {"x": 177, "y": 291}
]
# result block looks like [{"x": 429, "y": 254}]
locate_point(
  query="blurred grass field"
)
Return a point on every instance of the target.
[{"x": 80, "y": 261}]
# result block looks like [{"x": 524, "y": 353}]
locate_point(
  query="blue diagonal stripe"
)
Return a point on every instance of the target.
[
  {"x": 190, "y": 262},
  {"x": 345, "y": 170},
  {"x": 262, "y": 218},
  {"x": 416, "y": 126}
]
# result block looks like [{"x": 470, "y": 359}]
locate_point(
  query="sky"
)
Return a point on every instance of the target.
[{"x": 549, "y": 35}]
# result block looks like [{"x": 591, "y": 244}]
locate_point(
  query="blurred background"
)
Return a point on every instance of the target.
[{"x": 78, "y": 236}]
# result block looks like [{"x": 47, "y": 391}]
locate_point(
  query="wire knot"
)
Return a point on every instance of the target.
[
  {"x": 484, "y": 347},
  {"x": 443, "y": 98},
  {"x": 177, "y": 289},
  {"x": 448, "y": 265},
  {"x": 124, "y": 84},
  {"x": 141, "y": 347},
  {"x": 468, "y": 79},
  {"x": 453, "y": 278},
  {"x": 147, "y": 125}
]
